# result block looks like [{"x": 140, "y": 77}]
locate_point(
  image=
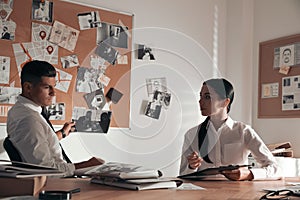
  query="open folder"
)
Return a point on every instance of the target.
[{"x": 211, "y": 171}]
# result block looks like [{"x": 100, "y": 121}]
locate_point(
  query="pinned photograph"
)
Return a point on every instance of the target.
[
  {"x": 122, "y": 60},
  {"x": 114, "y": 35},
  {"x": 87, "y": 80},
  {"x": 287, "y": 55},
  {"x": 42, "y": 10},
  {"x": 104, "y": 79},
  {"x": 153, "y": 110},
  {"x": 69, "y": 61},
  {"x": 114, "y": 95},
  {"x": 91, "y": 121},
  {"x": 56, "y": 111},
  {"x": 97, "y": 62},
  {"x": 89, "y": 20},
  {"x": 107, "y": 52},
  {"x": 156, "y": 84},
  {"x": 95, "y": 100},
  {"x": 145, "y": 53},
  {"x": 7, "y": 30}
]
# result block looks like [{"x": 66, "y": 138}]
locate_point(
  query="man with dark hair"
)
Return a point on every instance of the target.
[{"x": 29, "y": 131}]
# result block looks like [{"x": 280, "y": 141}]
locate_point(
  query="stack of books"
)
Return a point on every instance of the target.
[
  {"x": 283, "y": 149},
  {"x": 18, "y": 178},
  {"x": 130, "y": 176}
]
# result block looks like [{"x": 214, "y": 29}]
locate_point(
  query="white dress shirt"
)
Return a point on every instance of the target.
[
  {"x": 231, "y": 145},
  {"x": 34, "y": 138}
]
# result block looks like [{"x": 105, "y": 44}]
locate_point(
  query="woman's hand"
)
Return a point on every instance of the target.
[{"x": 194, "y": 160}]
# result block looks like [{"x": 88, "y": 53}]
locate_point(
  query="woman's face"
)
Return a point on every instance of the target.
[{"x": 210, "y": 102}]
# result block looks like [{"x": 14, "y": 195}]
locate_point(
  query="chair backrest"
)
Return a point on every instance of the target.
[{"x": 11, "y": 150}]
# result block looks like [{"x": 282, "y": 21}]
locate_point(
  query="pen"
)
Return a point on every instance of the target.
[{"x": 76, "y": 190}]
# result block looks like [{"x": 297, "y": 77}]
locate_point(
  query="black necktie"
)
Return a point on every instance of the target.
[{"x": 46, "y": 115}]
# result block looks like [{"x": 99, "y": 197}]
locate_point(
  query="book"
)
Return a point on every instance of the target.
[
  {"x": 283, "y": 152},
  {"x": 284, "y": 145},
  {"x": 283, "y": 149},
  {"x": 16, "y": 169},
  {"x": 211, "y": 171},
  {"x": 138, "y": 184},
  {"x": 121, "y": 170},
  {"x": 21, "y": 186}
]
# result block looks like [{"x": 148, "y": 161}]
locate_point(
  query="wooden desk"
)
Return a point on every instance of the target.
[{"x": 215, "y": 189}]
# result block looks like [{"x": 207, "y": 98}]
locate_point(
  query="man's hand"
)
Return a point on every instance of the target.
[
  {"x": 89, "y": 163},
  {"x": 240, "y": 174}
]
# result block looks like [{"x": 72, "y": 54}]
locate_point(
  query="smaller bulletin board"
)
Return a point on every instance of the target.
[{"x": 279, "y": 78}]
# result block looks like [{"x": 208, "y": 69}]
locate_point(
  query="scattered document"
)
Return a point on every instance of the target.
[
  {"x": 189, "y": 186},
  {"x": 64, "y": 36}
]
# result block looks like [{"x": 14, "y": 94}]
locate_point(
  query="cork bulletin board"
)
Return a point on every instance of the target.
[
  {"x": 279, "y": 83},
  {"x": 115, "y": 72}
]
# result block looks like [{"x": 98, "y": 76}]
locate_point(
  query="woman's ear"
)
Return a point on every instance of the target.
[{"x": 226, "y": 102}]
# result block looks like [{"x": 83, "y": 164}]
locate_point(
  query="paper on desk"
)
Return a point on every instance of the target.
[
  {"x": 189, "y": 186},
  {"x": 293, "y": 183}
]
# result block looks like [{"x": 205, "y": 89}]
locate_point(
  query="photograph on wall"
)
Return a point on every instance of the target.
[
  {"x": 156, "y": 84},
  {"x": 145, "y": 53},
  {"x": 57, "y": 111},
  {"x": 98, "y": 62},
  {"x": 4, "y": 69},
  {"x": 95, "y": 100},
  {"x": 42, "y": 10},
  {"x": 69, "y": 61},
  {"x": 91, "y": 121},
  {"x": 9, "y": 95},
  {"x": 114, "y": 95},
  {"x": 153, "y": 109},
  {"x": 270, "y": 90},
  {"x": 112, "y": 34},
  {"x": 286, "y": 56},
  {"x": 107, "y": 52},
  {"x": 89, "y": 20},
  {"x": 8, "y": 29},
  {"x": 159, "y": 100},
  {"x": 291, "y": 93},
  {"x": 87, "y": 80},
  {"x": 104, "y": 79}
]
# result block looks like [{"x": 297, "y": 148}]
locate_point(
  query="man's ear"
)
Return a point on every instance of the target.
[{"x": 27, "y": 87}]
